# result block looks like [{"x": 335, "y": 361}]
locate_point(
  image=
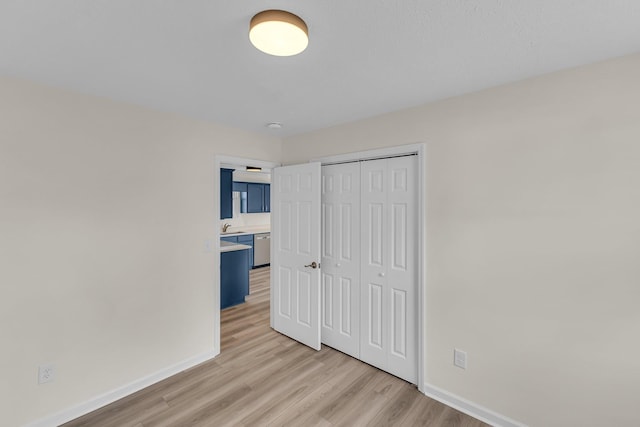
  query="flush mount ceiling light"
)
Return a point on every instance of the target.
[
  {"x": 253, "y": 169},
  {"x": 278, "y": 33}
]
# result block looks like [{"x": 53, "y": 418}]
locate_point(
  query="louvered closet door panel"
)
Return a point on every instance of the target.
[
  {"x": 388, "y": 265},
  {"x": 341, "y": 257}
]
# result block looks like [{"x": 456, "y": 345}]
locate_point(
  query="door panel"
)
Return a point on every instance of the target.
[
  {"x": 399, "y": 236},
  {"x": 304, "y": 232},
  {"x": 340, "y": 270},
  {"x": 284, "y": 292},
  {"x": 328, "y": 225},
  {"x": 295, "y": 216},
  {"x": 399, "y": 323},
  {"x": 327, "y": 301},
  {"x": 388, "y": 320},
  {"x": 374, "y": 323},
  {"x": 305, "y": 299},
  {"x": 374, "y": 224},
  {"x": 346, "y": 227},
  {"x": 402, "y": 275},
  {"x": 282, "y": 220},
  {"x": 346, "y": 308},
  {"x": 375, "y": 234}
]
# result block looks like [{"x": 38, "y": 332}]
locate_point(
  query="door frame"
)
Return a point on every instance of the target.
[
  {"x": 420, "y": 149},
  {"x": 219, "y": 160}
]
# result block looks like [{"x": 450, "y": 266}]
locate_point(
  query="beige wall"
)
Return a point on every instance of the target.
[
  {"x": 104, "y": 211},
  {"x": 533, "y": 206},
  {"x": 533, "y": 258}
]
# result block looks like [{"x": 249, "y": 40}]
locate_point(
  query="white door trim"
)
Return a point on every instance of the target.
[
  {"x": 419, "y": 149},
  {"x": 215, "y": 246}
]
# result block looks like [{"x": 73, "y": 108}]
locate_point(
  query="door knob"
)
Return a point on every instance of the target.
[
  {"x": 312, "y": 265},
  {"x": 337, "y": 264},
  {"x": 381, "y": 274}
]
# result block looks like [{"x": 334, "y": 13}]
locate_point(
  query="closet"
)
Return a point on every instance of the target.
[{"x": 369, "y": 262}]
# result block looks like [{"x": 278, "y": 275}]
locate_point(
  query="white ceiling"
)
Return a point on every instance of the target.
[{"x": 365, "y": 57}]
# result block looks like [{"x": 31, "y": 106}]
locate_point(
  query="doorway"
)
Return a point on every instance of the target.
[{"x": 240, "y": 224}]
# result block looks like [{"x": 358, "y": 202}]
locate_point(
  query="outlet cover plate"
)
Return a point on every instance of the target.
[
  {"x": 460, "y": 358},
  {"x": 46, "y": 373}
]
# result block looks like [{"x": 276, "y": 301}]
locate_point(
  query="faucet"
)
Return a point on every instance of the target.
[{"x": 225, "y": 227}]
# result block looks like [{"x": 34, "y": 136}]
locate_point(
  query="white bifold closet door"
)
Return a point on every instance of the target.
[
  {"x": 340, "y": 281},
  {"x": 369, "y": 263},
  {"x": 388, "y": 311}
]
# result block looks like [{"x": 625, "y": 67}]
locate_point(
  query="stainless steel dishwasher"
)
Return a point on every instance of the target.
[{"x": 261, "y": 249}]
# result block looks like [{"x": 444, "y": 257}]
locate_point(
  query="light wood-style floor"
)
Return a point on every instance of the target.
[{"x": 264, "y": 378}]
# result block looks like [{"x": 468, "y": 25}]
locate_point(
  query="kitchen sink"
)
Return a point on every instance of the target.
[{"x": 232, "y": 232}]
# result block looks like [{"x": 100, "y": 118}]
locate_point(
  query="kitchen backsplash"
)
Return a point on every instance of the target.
[
  {"x": 245, "y": 219},
  {"x": 248, "y": 220}
]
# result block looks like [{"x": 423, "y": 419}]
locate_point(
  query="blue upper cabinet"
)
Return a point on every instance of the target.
[
  {"x": 255, "y": 197},
  {"x": 267, "y": 198},
  {"x": 240, "y": 186},
  {"x": 226, "y": 193}
]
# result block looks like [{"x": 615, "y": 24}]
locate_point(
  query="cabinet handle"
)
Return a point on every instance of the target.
[
  {"x": 313, "y": 265},
  {"x": 337, "y": 264}
]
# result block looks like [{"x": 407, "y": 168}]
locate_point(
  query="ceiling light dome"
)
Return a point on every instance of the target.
[{"x": 278, "y": 33}]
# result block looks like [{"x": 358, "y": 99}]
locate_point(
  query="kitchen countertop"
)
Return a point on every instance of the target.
[
  {"x": 245, "y": 231},
  {"x": 230, "y": 246}
]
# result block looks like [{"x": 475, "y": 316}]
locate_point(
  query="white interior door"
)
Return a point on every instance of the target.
[
  {"x": 341, "y": 257},
  {"x": 295, "y": 250},
  {"x": 388, "y": 333}
]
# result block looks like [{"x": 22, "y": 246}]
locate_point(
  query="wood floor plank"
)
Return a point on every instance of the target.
[
  {"x": 396, "y": 410},
  {"x": 262, "y": 378},
  {"x": 427, "y": 413}
]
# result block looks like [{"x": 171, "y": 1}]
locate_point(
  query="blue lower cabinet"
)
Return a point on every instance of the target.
[
  {"x": 247, "y": 239},
  {"x": 234, "y": 277}
]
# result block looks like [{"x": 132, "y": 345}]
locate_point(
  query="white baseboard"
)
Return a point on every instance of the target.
[
  {"x": 111, "y": 396},
  {"x": 470, "y": 408}
]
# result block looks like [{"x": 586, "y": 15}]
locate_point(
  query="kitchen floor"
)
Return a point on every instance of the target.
[
  {"x": 242, "y": 321},
  {"x": 264, "y": 378}
]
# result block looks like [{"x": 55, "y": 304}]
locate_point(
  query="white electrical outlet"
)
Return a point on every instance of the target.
[
  {"x": 460, "y": 358},
  {"x": 46, "y": 373},
  {"x": 208, "y": 245}
]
